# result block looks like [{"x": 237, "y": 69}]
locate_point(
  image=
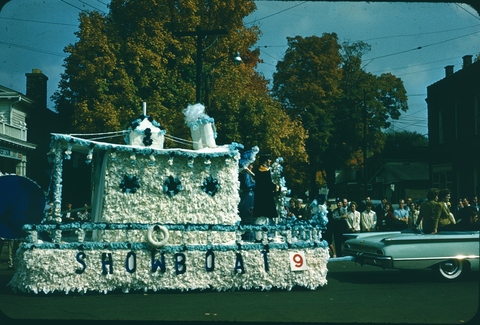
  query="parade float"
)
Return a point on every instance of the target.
[{"x": 165, "y": 218}]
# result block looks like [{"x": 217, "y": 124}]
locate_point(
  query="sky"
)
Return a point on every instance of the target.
[{"x": 413, "y": 41}]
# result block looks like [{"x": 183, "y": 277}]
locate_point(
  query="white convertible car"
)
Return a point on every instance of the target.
[{"x": 449, "y": 254}]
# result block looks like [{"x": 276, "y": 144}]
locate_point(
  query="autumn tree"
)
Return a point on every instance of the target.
[
  {"x": 141, "y": 52},
  {"x": 133, "y": 54},
  {"x": 366, "y": 105},
  {"x": 355, "y": 109},
  {"x": 307, "y": 83}
]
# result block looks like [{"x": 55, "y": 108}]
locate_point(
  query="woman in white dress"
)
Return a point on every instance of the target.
[{"x": 353, "y": 218}]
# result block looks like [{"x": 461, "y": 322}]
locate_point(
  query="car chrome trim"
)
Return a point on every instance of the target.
[
  {"x": 415, "y": 240},
  {"x": 442, "y": 258}
]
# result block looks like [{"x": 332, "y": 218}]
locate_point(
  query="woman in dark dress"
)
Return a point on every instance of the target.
[
  {"x": 264, "y": 207},
  {"x": 247, "y": 189},
  {"x": 385, "y": 219}
]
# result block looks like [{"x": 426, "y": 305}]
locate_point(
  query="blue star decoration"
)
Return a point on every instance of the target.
[
  {"x": 172, "y": 186},
  {"x": 210, "y": 185},
  {"x": 129, "y": 184}
]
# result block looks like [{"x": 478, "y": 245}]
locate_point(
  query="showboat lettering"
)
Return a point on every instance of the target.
[{"x": 179, "y": 262}]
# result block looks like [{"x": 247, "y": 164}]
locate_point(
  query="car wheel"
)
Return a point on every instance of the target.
[{"x": 450, "y": 269}]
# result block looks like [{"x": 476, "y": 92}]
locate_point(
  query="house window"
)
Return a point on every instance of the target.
[
  {"x": 440, "y": 127},
  {"x": 442, "y": 177},
  {"x": 477, "y": 114},
  {"x": 456, "y": 123}
]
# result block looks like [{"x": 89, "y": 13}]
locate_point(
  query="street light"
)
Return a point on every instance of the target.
[
  {"x": 199, "y": 33},
  {"x": 237, "y": 59}
]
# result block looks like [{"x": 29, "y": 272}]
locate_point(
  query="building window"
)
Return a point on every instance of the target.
[
  {"x": 440, "y": 127},
  {"x": 477, "y": 115},
  {"x": 442, "y": 179},
  {"x": 456, "y": 123}
]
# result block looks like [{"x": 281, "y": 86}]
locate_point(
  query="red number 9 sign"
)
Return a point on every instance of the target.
[{"x": 297, "y": 261}]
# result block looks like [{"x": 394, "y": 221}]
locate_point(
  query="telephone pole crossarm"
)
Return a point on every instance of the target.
[{"x": 199, "y": 33}]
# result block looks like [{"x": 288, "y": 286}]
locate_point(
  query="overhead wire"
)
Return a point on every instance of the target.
[
  {"x": 416, "y": 65},
  {"x": 45, "y": 22},
  {"x": 92, "y": 6},
  {"x": 419, "y": 34},
  {"x": 38, "y": 21},
  {"x": 276, "y": 13},
  {"x": 33, "y": 49},
  {"x": 421, "y": 47},
  {"x": 72, "y": 5}
]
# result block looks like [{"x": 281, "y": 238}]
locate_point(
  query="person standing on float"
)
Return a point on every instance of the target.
[
  {"x": 247, "y": 189},
  {"x": 264, "y": 207}
]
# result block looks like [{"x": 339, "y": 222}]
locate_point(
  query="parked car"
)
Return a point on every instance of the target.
[{"x": 448, "y": 254}]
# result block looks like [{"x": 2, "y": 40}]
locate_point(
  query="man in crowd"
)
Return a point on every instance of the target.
[
  {"x": 430, "y": 212},
  {"x": 368, "y": 219},
  {"x": 400, "y": 216}
]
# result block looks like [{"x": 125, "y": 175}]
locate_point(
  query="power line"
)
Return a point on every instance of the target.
[
  {"x": 417, "y": 112},
  {"x": 420, "y": 34},
  {"x": 420, "y": 47},
  {"x": 416, "y": 65},
  {"x": 270, "y": 55},
  {"x": 274, "y": 14},
  {"x": 412, "y": 122},
  {"x": 92, "y": 6},
  {"x": 81, "y": 9},
  {"x": 39, "y": 21},
  {"x": 72, "y": 5},
  {"x": 33, "y": 49}
]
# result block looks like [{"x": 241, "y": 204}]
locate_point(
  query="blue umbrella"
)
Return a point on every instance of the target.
[{"x": 21, "y": 202}]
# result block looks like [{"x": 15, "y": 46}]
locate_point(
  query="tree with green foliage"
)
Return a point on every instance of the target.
[
  {"x": 405, "y": 142},
  {"x": 343, "y": 108},
  {"x": 138, "y": 52},
  {"x": 307, "y": 83}
]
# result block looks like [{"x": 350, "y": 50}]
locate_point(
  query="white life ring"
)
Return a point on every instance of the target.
[{"x": 153, "y": 241}]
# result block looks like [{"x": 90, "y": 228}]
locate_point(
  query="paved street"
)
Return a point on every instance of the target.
[{"x": 353, "y": 294}]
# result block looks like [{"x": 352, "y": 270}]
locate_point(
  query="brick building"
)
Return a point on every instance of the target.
[{"x": 454, "y": 130}]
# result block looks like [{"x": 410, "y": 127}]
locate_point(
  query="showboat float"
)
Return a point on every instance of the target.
[{"x": 165, "y": 219}]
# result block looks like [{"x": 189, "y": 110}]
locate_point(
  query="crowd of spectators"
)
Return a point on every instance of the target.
[{"x": 350, "y": 217}]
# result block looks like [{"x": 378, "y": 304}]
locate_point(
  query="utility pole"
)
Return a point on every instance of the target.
[
  {"x": 200, "y": 34},
  {"x": 365, "y": 178}
]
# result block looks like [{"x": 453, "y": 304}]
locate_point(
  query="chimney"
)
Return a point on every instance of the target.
[
  {"x": 448, "y": 70},
  {"x": 467, "y": 60},
  {"x": 37, "y": 88}
]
